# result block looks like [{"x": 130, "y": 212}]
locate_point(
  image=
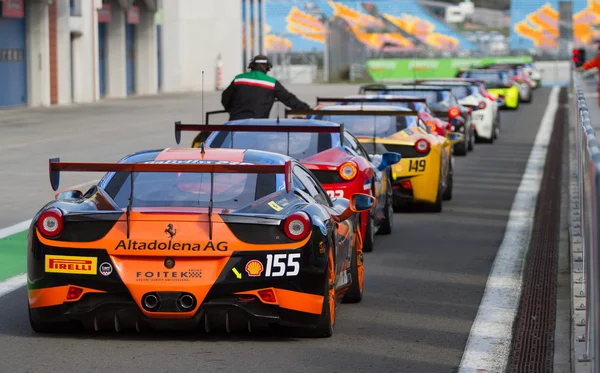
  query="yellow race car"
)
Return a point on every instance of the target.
[{"x": 424, "y": 173}]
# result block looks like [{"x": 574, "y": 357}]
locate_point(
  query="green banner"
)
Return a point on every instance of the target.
[{"x": 382, "y": 70}]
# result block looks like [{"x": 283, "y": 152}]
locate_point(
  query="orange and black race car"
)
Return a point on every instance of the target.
[{"x": 194, "y": 238}]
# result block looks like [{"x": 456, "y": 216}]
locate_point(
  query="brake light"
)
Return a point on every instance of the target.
[
  {"x": 267, "y": 295},
  {"x": 50, "y": 222},
  {"x": 453, "y": 112},
  {"x": 482, "y": 105},
  {"x": 297, "y": 226},
  {"x": 432, "y": 126},
  {"x": 348, "y": 171},
  {"x": 422, "y": 146},
  {"x": 74, "y": 293},
  {"x": 406, "y": 184}
]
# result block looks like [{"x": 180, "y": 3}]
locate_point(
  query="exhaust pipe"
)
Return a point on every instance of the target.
[
  {"x": 186, "y": 302},
  {"x": 151, "y": 301}
]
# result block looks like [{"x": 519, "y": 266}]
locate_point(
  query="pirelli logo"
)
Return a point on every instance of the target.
[{"x": 76, "y": 265}]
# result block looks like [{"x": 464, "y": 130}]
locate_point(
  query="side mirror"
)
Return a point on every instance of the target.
[
  {"x": 388, "y": 159},
  {"x": 69, "y": 195},
  {"x": 455, "y": 137},
  {"x": 358, "y": 202}
]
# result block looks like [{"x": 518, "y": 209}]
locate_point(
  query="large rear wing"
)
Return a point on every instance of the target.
[
  {"x": 369, "y": 99},
  {"x": 450, "y": 80},
  {"x": 257, "y": 128},
  {"x": 370, "y": 113},
  {"x": 365, "y": 113},
  {"x": 212, "y": 167}
]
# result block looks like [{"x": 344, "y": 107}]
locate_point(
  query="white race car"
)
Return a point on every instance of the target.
[{"x": 485, "y": 115}]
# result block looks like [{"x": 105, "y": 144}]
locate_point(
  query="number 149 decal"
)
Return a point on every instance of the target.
[
  {"x": 417, "y": 165},
  {"x": 279, "y": 265}
]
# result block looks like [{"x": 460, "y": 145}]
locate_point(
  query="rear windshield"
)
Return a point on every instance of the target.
[
  {"x": 431, "y": 96},
  {"x": 486, "y": 77},
  {"x": 416, "y": 106},
  {"x": 463, "y": 91},
  {"x": 366, "y": 126},
  {"x": 172, "y": 189},
  {"x": 301, "y": 145}
]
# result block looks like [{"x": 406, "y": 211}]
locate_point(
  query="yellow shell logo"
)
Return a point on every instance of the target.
[{"x": 254, "y": 268}]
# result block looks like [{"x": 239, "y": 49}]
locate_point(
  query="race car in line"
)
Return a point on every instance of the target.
[
  {"x": 497, "y": 83},
  {"x": 443, "y": 104},
  {"x": 425, "y": 172},
  {"x": 417, "y": 104},
  {"x": 194, "y": 239},
  {"x": 520, "y": 78},
  {"x": 330, "y": 152},
  {"x": 485, "y": 114}
]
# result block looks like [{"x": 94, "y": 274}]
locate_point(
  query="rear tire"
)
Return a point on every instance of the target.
[
  {"x": 388, "y": 221},
  {"x": 437, "y": 206},
  {"x": 355, "y": 292},
  {"x": 447, "y": 196},
  {"x": 326, "y": 324},
  {"x": 460, "y": 148},
  {"x": 42, "y": 327},
  {"x": 369, "y": 237}
]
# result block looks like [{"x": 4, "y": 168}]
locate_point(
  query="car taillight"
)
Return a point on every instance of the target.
[
  {"x": 297, "y": 226},
  {"x": 50, "y": 222},
  {"x": 432, "y": 126},
  {"x": 453, "y": 112},
  {"x": 267, "y": 295},
  {"x": 74, "y": 293},
  {"x": 422, "y": 146},
  {"x": 348, "y": 171},
  {"x": 482, "y": 105}
]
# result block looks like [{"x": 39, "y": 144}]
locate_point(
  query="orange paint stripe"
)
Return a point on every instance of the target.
[
  {"x": 54, "y": 296},
  {"x": 293, "y": 300}
]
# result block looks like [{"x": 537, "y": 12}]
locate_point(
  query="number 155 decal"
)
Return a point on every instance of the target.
[{"x": 279, "y": 265}]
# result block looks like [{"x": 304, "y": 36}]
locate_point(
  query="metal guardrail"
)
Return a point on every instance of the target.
[{"x": 584, "y": 227}]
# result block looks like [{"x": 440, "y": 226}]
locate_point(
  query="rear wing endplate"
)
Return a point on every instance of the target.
[{"x": 256, "y": 128}]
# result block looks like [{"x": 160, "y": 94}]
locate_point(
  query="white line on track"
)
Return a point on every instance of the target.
[
  {"x": 16, "y": 282},
  {"x": 489, "y": 344}
]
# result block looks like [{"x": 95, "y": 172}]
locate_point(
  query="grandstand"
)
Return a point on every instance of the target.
[{"x": 299, "y": 25}]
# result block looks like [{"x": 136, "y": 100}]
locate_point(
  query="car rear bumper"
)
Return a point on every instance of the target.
[{"x": 120, "y": 311}]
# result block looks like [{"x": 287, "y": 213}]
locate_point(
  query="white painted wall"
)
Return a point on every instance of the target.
[
  {"x": 146, "y": 65},
  {"x": 38, "y": 44},
  {"x": 194, "y": 34},
  {"x": 116, "y": 63},
  {"x": 85, "y": 51},
  {"x": 63, "y": 52}
]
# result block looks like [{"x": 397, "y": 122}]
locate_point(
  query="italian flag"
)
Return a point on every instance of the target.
[{"x": 245, "y": 80}]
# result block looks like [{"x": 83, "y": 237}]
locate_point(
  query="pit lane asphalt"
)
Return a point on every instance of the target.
[{"x": 423, "y": 283}]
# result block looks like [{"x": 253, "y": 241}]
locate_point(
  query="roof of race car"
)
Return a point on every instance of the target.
[
  {"x": 382, "y": 96},
  {"x": 409, "y": 87},
  {"x": 283, "y": 122},
  {"x": 450, "y": 83},
  {"x": 358, "y": 107},
  {"x": 209, "y": 155}
]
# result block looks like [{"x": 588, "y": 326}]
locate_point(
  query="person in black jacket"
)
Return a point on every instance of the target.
[{"x": 252, "y": 94}]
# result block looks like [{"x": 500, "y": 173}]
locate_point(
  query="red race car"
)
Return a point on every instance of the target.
[
  {"x": 334, "y": 156},
  {"x": 417, "y": 104}
]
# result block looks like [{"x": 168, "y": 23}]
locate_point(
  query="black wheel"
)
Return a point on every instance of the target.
[
  {"x": 447, "y": 196},
  {"x": 369, "y": 237},
  {"x": 460, "y": 148},
  {"x": 388, "y": 220},
  {"x": 327, "y": 320},
  {"x": 357, "y": 272},
  {"x": 437, "y": 206},
  {"x": 471, "y": 140}
]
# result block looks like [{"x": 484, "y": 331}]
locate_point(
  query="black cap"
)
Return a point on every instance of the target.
[{"x": 260, "y": 60}]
